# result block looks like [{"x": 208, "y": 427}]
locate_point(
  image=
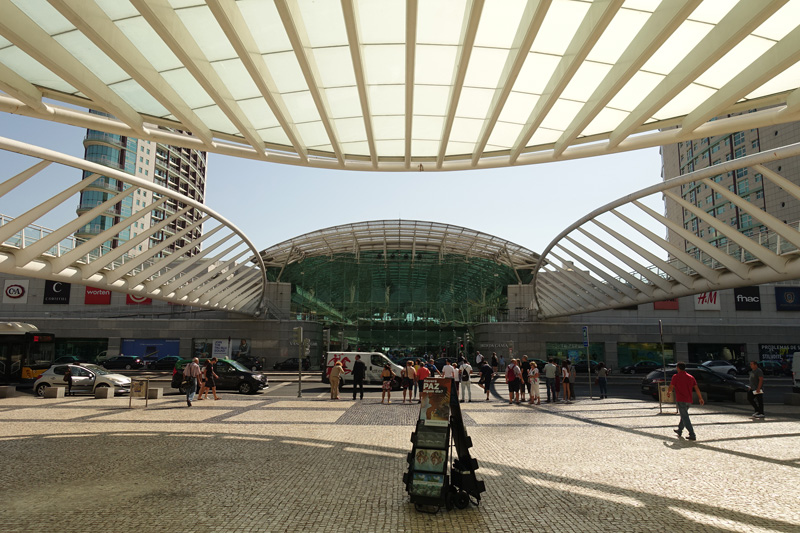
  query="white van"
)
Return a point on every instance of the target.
[
  {"x": 374, "y": 362},
  {"x": 796, "y": 372}
]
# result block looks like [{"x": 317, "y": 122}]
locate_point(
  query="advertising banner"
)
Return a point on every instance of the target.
[
  {"x": 221, "y": 348},
  {"x": 15, "y": 291},
  {"x": 137, "y": 300},
  {"x": 747, "y": 299},
  {"x": 776, "y": 352},
  {"x": 430, "y": 460},
  {"x": 668, "y": 305},
  {"x": 706, "y": 301},
  {"x": 787, "y": 298},
  {"x": 146, "y": 347},
  {"x": 435, "y": 402},
  {"x": 56, "y": 292},
  {"x": 94, "y": 296}
]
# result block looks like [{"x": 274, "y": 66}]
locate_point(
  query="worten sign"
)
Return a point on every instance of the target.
[
  {"x": 56, "y": 292},
  {"x": 95, "y": 296},
  {"x": 747, "y": 299}
]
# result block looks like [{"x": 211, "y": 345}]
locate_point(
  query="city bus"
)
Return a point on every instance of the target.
[{"x": 25, "y": 352}]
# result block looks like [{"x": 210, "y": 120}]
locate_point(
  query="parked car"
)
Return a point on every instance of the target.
[
  {"x": 642, "y": 367},
  {"x": 85, "y": 378},
  {"x": 771, "y": 368},
  {"x": 716, "y": 385},
  {"x": 580, "y": 366},
  {"x": 721, "y": 367},
  {"x": 290, "y": 364},
  {"x": 166, "y": 363},
  {"x": 253, "y": 363},
  {"x": 127, "y": 362},
  {"x": 232, "y": 376}
]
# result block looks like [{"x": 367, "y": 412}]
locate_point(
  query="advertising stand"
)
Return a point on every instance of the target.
[
  {"x": 139, "y": 389},
  {"x": 435, "y": 477}
]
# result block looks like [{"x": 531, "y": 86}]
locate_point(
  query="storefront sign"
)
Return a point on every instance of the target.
[
  {"x": 706, "y": 301},
  {"x": 15, "y": 291},
  {"x": 94, "y": 296},
  {"x": 56, "y": 292},
  {"x": 137, "y": 300},
  {"x": 747, "y": 299},
  {"x": 776, "y": 352},
  {"x": 666, "y": 305},
  {"x": 787, "y": 298}
]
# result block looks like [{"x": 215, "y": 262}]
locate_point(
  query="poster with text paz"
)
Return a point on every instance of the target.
[{"x": 435, "y": 402}]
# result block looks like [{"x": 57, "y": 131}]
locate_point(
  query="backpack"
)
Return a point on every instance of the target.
[
  {"x": 510, "y": 374},
  {"x": 465, "y": 374}
]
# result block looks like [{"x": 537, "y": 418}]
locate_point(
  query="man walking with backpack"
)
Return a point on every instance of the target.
[{"x": 466, "y": 390}]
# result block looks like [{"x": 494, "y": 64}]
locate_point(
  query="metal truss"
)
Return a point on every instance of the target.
[
  {"x": 192, "y": 256},
  {"x": 404, "y": 85},
  {"x": 617, "y": 256}
]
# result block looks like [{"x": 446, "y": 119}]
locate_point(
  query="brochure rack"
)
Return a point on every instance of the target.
[{"x": 435, "y": 478}]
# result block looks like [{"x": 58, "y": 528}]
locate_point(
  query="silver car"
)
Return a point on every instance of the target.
[
  {"x": 721, "y": 367},
  {"x": 85, "y": 378}
]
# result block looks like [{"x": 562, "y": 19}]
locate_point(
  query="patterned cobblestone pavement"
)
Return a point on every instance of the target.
[{"x": 261, "y": 463}]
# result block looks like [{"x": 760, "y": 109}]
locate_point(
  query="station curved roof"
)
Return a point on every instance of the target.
[
  {"x": 404, "y": 84},
  {"x": 409, "y": 236}
]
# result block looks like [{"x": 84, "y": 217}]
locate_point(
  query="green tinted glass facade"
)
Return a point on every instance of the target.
[{"x": 398, "y": 300}]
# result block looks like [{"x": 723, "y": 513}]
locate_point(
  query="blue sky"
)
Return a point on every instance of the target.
[{"x": 528, "y": 205}]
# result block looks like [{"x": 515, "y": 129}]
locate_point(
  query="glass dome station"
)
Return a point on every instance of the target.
[{"x": 397, "y": 285}]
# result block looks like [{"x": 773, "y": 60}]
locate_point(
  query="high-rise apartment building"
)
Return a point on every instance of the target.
[
  {"x": 179, "y": 169},
  {"x": 682, "y": 158}
]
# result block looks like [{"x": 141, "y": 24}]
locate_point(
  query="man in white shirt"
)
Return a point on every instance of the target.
[
  {"x": 550, "y": 380},
  {"x": 448, "y": 371},
  {"x": 479, "y": 359},
  {"x": 457, "y": 378},
  {"x": 465, "y": 371}
]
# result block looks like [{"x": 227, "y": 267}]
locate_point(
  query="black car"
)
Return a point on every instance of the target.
[
  {"x": 580, "y": 366},
  {"x": 253, "y": 363},
  {"x": 127, "y": 362},
  {"x": 232, "y": 376},
  {"x": 290, "y": 364},
  {"x": 165, "y": 363},
  {"x": 717, "y": 386},
  {"x": 642, "y": 367}
]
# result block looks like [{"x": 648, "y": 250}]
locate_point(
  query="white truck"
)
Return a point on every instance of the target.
[{"x": 374, "y": 362}]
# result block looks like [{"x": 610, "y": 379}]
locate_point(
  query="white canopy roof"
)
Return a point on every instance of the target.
[{"x": 405, "y": 84}]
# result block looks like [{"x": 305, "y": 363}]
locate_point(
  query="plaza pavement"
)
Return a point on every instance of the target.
[{"x": 270, "y": 463}]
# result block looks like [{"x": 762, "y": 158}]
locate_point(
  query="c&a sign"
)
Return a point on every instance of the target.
[{"x": 15, "y": 291}]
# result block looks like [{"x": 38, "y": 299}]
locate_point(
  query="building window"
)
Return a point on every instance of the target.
[
  {"x": 720, "y": 210},
  {"x": 715, "y": 148},
  {"x": 759, "y": 195},
  {"x": 739, "y": 152},
  {"x": 744, "y": 186},
  {"x": 708, "y": 199},
  {"x": 738, "y": 138},
  {"x": 758, "y": 178}
]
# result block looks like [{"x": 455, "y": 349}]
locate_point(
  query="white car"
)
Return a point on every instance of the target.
[
  {"x": 721, "y": 367},
  {"x": 85, "y": 378}
]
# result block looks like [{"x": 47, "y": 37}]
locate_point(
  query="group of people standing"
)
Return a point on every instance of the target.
[{"x": 205, "y": 378}]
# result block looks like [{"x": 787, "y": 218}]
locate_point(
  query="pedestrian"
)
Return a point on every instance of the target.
[
  {"x": 456, "y": 379},
  {"x": 756, "y": 395},
  {"x": 683, "y": 383},
  {"x": 191, "y": 374},
  {"x": 565, "y": 377},
  {"x": 387, "y": 376},
  {"x": 487, "y": 372},
  {"x": 417, "y": 366},
  {"x": 495, "y": 362},
  {"x": 557, "y": 385},
  {"x": 513, "y": 381},
  {"x": 408, "y": 376},
  {"x": 336, "y": 374},
  {"x": 479, "y": 359},
  {"x": 447, "y": 370},
  {"x": 525, "y": 367},
  {"x": 573, "y": 379},
  {"x": 466, "y": 388},
  {"x": 68, "y": 380},
  {"x": 359, "y": 373},
  {"x": 432, "y": 368},
  {"x": 210, "y": 380},
  {"x": 422, "y": 375},
  {"x": 533, "y": 383},
  {"x": 502, "y": 363},
  {"x": 550, "y": 380},
  {"x": 602, "y": 380}
]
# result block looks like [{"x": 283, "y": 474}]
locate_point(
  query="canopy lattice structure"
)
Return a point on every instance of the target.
[
  {"x": 201, "y": 259},
  {"x": 404, "y": 84},
  {"x": 614, "y": 256}
]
